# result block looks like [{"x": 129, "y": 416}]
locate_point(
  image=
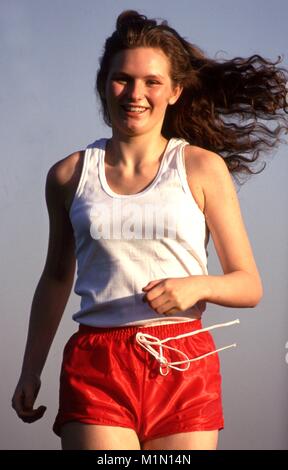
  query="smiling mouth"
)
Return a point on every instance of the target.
[{"x": 134, "y": 109}]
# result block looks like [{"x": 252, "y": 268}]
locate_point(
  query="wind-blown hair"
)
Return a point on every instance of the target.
[{"x": 214, "y": 93}]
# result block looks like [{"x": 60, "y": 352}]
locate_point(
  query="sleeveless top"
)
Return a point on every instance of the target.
[{"x": 124, "y": 241}]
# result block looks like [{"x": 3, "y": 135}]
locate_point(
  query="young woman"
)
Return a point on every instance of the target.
[{"x": 136, "y": 212}]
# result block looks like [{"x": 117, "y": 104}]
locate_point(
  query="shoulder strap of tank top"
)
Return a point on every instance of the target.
[
  {"x": 83, "y": 175},
  {"x": 181, "y": 166},
  {"x": 91, "y": 152}
]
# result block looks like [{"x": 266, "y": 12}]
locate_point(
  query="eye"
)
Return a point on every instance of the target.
[
  {"x": 153, "y": 82},
  {"x": 119, "y": 80}
]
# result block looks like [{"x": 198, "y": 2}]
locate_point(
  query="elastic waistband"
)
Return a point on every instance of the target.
[{"x": 162, "y": 331}]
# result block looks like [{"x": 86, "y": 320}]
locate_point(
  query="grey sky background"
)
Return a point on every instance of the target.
[{"x": 49, "y": 57}]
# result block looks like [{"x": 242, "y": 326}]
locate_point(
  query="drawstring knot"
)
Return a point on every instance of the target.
[{"x": 147, "y": 342}]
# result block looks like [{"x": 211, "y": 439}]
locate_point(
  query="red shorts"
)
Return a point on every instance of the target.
[{"x": 108, "y": 378}]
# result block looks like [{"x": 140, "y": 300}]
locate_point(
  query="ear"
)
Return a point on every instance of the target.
[{"x": 175, "y": 94}]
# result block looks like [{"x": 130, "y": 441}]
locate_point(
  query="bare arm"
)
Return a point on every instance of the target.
[
  {"x": 50, "y": 298},
  {"x": 240, "y": 285}
]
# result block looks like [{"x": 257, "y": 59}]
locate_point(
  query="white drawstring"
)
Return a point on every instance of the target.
[{"x": 146, "y": 341}]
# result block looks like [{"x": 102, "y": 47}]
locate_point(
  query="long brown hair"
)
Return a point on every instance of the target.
[{"x": 214, "y": 92}]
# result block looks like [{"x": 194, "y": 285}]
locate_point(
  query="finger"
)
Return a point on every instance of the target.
[
  {"x": 23, "y": 402},
  {"x": 32, "y": 415},
  {"x": 158, "y": 301},
  {"x": 152, "y": 284},
  {"x": 28, "y": 402},
  {"x": 165, "y": 308},
  {"x": 172, "y": 311},
  {"x": 29, "y": 396},
  {"x": 157, "y": 292}
]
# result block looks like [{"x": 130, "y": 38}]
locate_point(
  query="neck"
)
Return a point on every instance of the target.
[{"x": 135, "y": 151}]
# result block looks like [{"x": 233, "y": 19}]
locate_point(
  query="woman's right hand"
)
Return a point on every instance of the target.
[{"x": 24, "y": 398}]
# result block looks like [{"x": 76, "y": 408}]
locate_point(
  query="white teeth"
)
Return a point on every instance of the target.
[{"x": 134, "y": 109}]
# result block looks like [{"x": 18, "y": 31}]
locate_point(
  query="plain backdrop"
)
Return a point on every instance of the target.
[{"x": 49, "y": 55}]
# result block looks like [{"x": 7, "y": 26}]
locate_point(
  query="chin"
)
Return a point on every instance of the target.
[{"x": 132, "y": 130}]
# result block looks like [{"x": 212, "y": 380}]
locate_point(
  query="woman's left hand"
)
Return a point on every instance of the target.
[{"x": 174, "y": 295}]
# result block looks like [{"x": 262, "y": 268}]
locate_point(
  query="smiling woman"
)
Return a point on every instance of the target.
[
  {"x": 135, "y": 101},
  {"x": 141, "y": 372},
  {"x": 252, "y": 88}
]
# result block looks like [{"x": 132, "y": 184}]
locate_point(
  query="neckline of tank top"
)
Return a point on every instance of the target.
[{"x": 102, "y": 175}]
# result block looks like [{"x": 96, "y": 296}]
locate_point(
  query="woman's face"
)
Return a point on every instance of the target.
[{"x": 138, "y": 90}]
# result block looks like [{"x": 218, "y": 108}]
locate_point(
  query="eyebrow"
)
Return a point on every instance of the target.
[{"x": 127, "y": 75}]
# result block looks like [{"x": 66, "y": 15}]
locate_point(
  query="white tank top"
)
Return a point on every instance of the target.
[{"x": 124, "y": 241}]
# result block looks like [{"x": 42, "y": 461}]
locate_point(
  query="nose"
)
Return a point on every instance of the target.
[{"x": 135, "y": 90}]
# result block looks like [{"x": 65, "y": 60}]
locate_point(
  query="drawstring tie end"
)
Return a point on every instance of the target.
[{"x": 147, "y": 342}]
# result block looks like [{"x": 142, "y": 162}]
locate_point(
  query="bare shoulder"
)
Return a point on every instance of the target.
[
  {"x": 64, "y": 175},
  {"x": 206, "y": 171},
  {"x": 61, "y": 177}
]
